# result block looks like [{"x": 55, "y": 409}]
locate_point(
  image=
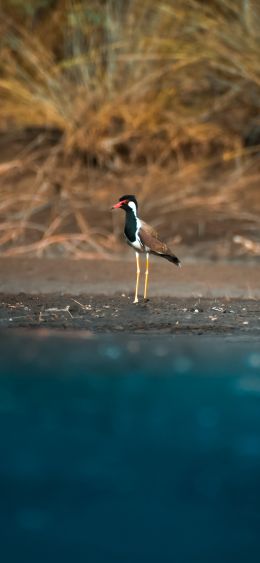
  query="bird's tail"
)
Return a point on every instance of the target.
[{"x": 172, "y": 258}]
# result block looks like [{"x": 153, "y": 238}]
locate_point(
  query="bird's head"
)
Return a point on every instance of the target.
[{"x": 127, "y": 202}]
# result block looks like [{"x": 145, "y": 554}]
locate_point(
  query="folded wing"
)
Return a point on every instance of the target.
[{"x": 149, "y": 239}]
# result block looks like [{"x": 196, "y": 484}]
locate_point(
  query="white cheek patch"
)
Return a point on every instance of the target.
[{"x": 133, "y": 206}]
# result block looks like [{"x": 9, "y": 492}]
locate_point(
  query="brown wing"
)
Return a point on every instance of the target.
[
  {"x": 148, "y": 229},
  {"x": 149, "y": 238}
]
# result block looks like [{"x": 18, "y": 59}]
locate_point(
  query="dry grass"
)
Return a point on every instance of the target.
[{"x": 168, "y": 89}]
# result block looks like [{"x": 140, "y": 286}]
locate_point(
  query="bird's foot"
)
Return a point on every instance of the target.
[{"x": 136, "y": 300}]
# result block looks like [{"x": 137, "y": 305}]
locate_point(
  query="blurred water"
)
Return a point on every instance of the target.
[{"x": 129, "y": 449}]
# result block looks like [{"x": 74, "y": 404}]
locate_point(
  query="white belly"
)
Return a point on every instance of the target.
[{"x": 137, "y": 245}]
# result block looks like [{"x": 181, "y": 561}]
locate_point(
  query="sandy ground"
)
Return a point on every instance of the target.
[
  {"x": 108, "y": 277},
  {"x": 203, "y": 299}
]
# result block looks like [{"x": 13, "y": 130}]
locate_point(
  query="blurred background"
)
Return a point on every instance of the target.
[
  {"x": 104, "y": 97},
  {"x": 129, "y": 434}
]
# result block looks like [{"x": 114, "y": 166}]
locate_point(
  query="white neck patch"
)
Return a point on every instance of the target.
[{"x": 133, "y": 206}]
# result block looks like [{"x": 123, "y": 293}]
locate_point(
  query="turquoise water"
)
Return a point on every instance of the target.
[{"x": 129, "y": 449}]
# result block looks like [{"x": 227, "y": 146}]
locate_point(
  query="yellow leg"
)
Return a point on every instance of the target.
[
  {"x": 137, "y": 277},
  {"x": 146, "y": 275}
]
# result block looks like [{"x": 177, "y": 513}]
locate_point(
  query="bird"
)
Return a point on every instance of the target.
[{"x": 143, "y": 238}]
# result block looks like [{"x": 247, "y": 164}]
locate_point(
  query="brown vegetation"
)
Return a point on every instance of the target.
[{"x": 101, "y": 97}]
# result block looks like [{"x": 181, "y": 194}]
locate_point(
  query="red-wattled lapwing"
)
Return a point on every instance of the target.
[{"x": 143, "y": 238}]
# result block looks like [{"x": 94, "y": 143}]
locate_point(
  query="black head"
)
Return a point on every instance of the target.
[
  {"x": 129, "y": 198},
  {"x": 123, "y": 202}
]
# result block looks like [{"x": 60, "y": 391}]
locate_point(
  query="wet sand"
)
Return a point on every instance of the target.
[
  {"x": 102, "y": 314},
  {"x": 96, "y": 296}
]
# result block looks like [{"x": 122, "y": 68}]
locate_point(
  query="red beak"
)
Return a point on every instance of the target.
[{"x": 119, "y": 204}]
